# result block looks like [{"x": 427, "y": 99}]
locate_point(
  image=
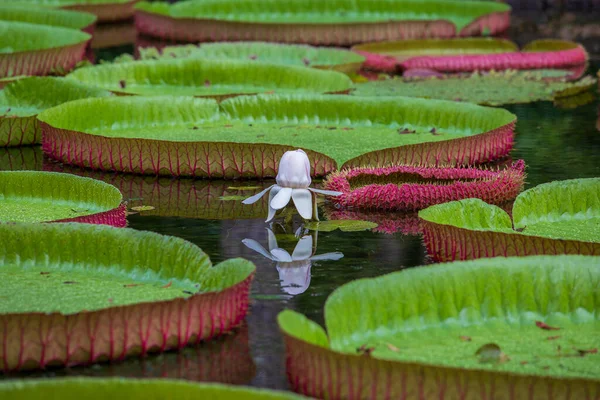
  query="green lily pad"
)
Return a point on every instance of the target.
[
  {"x": 121, "y": 389},
  {"x": 276, "y": 53},
  {"x": 455, "y": 328},
  {"x": 22, "y": 100},
  {"x": 232, "y": 198},
  {"x": 552, "y": 218},
  {"x": 246, "y": 136},
  {"x": 492, "y": 89},
  {"x": 209, "y": 78},
  {"x": 124, "y": 277},
  {"x": 28, "y": 196},
  {"x": 61, "y": 18},
  {"x": 313, "y": 21},
  {"x": 343, "y": 225}
]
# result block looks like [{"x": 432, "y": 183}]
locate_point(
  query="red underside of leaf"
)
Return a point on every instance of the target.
[
  {"x": 42, "y": 62},
  {"x": 493, "y": 187},
  {"x": 18, "y": 131},
  {"x": 108, "y": 12},
  {"x": 116, "y": 217},
  {"x": 448, "y": 243},
  {"x": 194, "y": 30},
  {"x": 322, "y": 373},
  {"x": 31, "y": 341}
]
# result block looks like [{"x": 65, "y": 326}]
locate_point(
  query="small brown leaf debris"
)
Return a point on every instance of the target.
[
  {"x": 253, "y": 57},
  {"x": 365, "y": 350},
  {"x": 306, "y": 61},
  {"x": 524, "y": 362},
  {"x": 465, "y": 338},
  {"x": 582, "y": 353},
  {"x": 207, "y": 83},
  {"x": 545, "y": 326},
  {"x": 228, "y": 126},
  {"x": 69, "y": 282},
  {"x": 44, "y": 273},
  {"x": 132, "y": 284},
  {"x": 392, "y": 347},
  {"x": 194, "y": 127},
  {"x": 553, "y": 337},
  {"x": 270, "y": 92},
  {"x": 110, "y": 300},
  {"x": 122, "y": 84},
  {"x": 405, "y": 131},
  {"x": 167, "y": 285}
]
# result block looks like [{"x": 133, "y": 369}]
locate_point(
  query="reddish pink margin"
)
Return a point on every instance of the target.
[
  {"x": 493, "y": 187},
  {"x": 116, "y": 217},
  {"x": 37, "y": 340},
  {"x": 446, "y": 243},
  {"x": 322, "y": 373}
]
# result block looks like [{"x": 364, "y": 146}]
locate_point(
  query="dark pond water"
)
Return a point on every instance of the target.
[{"x": 556, "y": 144}]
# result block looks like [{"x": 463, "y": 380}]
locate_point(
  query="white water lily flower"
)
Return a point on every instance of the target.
[
  {"x": 293, "y": 181},
  {"x": 294, "y": 269}
]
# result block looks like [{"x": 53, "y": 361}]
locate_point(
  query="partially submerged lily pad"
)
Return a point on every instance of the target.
[
  {"x": 247, "y": 135},
  {"x": 32, "y": 49},
  {"x": 87, "y": 283},
  {"x": 47, "y": 16},
  {"x": 105, "y": 10},
  {"x": 21, "y": 101},
  {"x": 125, "y": 389},
  {"x": 561, "y": 217},
  {"x": 31, "y": 196},
  {"x": 387, "y": 222},
  {"x": 422, "y": 330},
  {"x": 218, "y": 79},
  {"x": 474, "y": 54},
  {"x": 275, "y": 53},
  {"x": 410, "y": 188},
  {"x": 332, "y": 22},
  {"x": 487, "y": 89},
  {"x": 343, "y": 225}
]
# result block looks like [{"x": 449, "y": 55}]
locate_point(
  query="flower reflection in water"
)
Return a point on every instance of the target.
[{"x": 294, "y": 269}]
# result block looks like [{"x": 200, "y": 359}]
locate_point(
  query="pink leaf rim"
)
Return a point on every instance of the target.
[
  {"x": 116, "y": 217},
  {"x": 477, "y": 149},
  {"x": 42, "y": 62},
  {"x": 449, "y": 243},
  {"x": 198, "y": 30},
  {"x": 177, "y": 197},
  {"x": 539, "y": 54},
  {"x": 326, "y": 374},
  {"x": 37, "y": 340},
  {"x": 425, "y": 186},
  {"x": 107, "y": 12}
]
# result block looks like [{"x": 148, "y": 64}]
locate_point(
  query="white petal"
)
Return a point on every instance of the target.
[
  {"x": 303, "y": 249},
  {"x": 256, "y": 197},
  {"x": 271, "y": 214},
  {"x": 303, "y": 202},
  {"x": 281, "y": 255},
  {"x": 328, "y": 256},
  {"x": 272, "y": 239},
  {"x": 281, "y": 199},
  {"x": 326, "y": 192},
  {"x": 295, "y": 279},
  {"x": 257, "y": 247}
]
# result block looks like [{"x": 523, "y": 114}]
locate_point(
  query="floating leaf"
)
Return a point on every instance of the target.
[
  {"x": 142, "y": 208},
  {"x": 232, "y": 198},
  {"x": 492, "y": 354},
  {"x": 343, "y": 225},
  {"x": 44, "y": 16},
  {"x": 243, "y": 188}
]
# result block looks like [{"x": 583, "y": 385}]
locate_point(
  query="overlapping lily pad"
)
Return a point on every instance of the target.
[
  {"x": 561, "y": 217},
  {"x": 33, "y": 49},
  {"x": 410, "y": 188},
  {"x": 491, "y": 88},
  {"x": 524, "y": 326},
  {"x": 30, "y": 196},
  {"x": 332, "y": 22},
  {"x": 483, "y": 54},
  {"x": 22, "y": 100},
  {"x": 218, "y": 79},
  {"x": 105, "y": 10},
  {"x": 45, "y": 16},
  {"x": 247, "y": 135},
  {"x": 96, "y": 293},
  {"x": 276, "y": 53},
  {"x": 122, "y": 389}
]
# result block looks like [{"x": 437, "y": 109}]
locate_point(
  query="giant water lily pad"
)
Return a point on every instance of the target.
[
  {"x": 276, "y": 53},
  {"x": 46, "y": 16},
  {"x": 28, "y": 196},
  {"x": 22, "y": 100},
  {"x": 411, "y": 188},
  {"x": 104, "y": 293},
  {"x": 525, "y": 326},
  {"x": 561, "y": 217},
  {"x": 470, "y": 54},
  {"x": 489, "y": 89},
  {"x": 125, "y": 389},
  {"x": 33, "y": 49},
  {"x": 209, "y": 78},
  {"x": 332, "y": 22},
  {"x": 105, "y": 10},
  {"x": 246, "y": 136}
]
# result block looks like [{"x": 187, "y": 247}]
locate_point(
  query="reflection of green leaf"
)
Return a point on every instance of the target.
[
  {"x": 423, "y": 311},
  {"x": 142, "y": 208},
  {"x": 343, "y": 225},
  {"x": 232, "y": 198}
]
